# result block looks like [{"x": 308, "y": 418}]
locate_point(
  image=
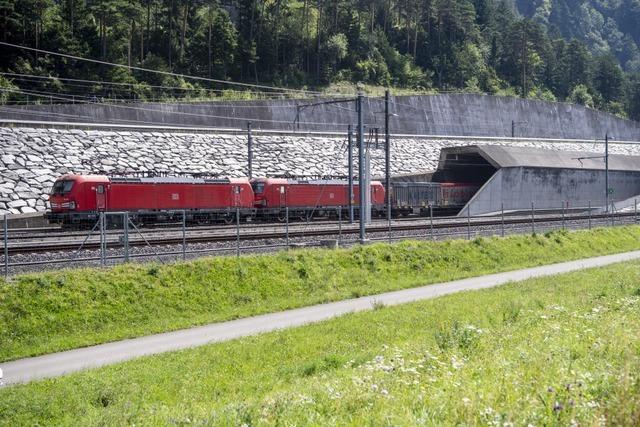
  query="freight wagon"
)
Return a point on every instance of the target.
[{"x": 417, "y": 198}]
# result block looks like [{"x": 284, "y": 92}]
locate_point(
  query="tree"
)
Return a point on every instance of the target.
[
  {"x": 608, "y": 78},
  {"x": 633, "y": 98},
  {"x": 580, "y": 95}
]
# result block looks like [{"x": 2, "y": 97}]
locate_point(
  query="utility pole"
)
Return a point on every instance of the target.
[
  {"x": 524, "y": 59},
  {"x": 606, "y": 170},
  {"x": 350, "y": 157},
  {"x": 250, "y": 152},
  {"x": 387, "y": 157},
  {"x": 361, "y": 167}
]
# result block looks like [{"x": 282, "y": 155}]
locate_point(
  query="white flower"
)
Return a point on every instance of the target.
[{"x": 457, "y": 364}]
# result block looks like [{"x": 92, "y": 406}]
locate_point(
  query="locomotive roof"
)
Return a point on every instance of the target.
[
  {"x": 171, "y": 180},
  {"x": 153, "y": 180},
  {"x": 311, "y": 181}
]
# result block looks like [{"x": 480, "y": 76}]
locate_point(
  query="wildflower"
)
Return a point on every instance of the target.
[
  {"x": 457, "y": 364},
  {"x": 466, "y": 400},
  {"x": 487, "y": 411},
  {"x": 384, "y": 392},
  {"x": 557, "y": 406}
]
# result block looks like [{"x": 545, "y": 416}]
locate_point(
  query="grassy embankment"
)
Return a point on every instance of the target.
[
  {"x": 563, "y": 350},
  {"x": 48, "y": 312}
]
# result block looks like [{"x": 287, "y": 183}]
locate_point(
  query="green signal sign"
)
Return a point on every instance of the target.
[{"x": 610, "y": 190}]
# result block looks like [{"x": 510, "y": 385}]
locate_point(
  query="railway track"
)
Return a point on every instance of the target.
[{"x": 64, "y": 242}]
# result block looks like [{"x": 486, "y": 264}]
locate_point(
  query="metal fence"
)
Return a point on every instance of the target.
[{"x": 110, "y": 238}]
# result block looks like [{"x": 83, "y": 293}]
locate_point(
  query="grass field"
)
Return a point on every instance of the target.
[
  {"x": 48, "y": 312},
  {"x": 562, "y": 350}
]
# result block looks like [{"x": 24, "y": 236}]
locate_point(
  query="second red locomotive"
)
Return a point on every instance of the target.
[{"x": 310, "y": 198}]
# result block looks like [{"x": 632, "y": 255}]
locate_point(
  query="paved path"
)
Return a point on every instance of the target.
[{"x": 56, "y": 364}]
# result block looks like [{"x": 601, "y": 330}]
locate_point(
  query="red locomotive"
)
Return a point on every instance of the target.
[
  {"x": 310, "y": 198},
  {"x": 78, "y": 198}
]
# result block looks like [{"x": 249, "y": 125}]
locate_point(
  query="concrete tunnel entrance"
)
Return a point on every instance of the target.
[
  {"x": 517, "y": 178},
  {"x": 464, "y": 168}
]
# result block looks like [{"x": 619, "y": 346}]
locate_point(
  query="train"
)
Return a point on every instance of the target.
[{"x": 78, "y": 199}]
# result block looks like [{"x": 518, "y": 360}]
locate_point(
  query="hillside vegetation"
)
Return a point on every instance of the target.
[
  {"x": 555, "y": 351},
  {"x": 59, "y": 310},
  {"x": 559, "y": 51},
  {"x": 606, "y": 26}
]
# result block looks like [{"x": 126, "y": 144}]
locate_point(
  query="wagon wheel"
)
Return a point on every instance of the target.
[
  {"x": 229, "y": 219},
  {"x": 201, "y": 220},
  {"x": 282, "y": 216},
  {"x": 305, "y": 216}
]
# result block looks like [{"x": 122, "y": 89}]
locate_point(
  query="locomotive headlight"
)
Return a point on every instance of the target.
[{"x": 72, "y": 205}]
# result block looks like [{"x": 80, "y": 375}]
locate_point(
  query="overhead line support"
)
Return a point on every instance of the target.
[
  {"x": 350, "y": 166},
  {"x": 361, "y": 169},
  {"x": 387, "y": 158},
  {"x": 249, "y": 151}
]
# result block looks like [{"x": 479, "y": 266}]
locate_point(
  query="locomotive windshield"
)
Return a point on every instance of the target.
[
  {"x": 258, "y": 187},
  {"x": 62, "y": 187}
]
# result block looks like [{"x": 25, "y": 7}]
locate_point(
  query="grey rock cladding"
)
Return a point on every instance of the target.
[{"x": 31, "y": 159}]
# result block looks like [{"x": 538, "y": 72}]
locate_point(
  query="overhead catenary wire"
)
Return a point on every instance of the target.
[
  {"x": 128, "y": 86},
  {"x": 19, "y": 111},
  {"x": 181, "y": 113},
  {"x": 104, "y": 82},
  {"x": 168, "y": 73}
]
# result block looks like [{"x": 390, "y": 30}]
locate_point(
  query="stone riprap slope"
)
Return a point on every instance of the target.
[{"x": 31, "y": 159}]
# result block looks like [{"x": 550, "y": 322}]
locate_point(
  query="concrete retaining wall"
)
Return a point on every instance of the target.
[
  {"x": 450, "y": 114},
  {"x": 31, "y": 159}
]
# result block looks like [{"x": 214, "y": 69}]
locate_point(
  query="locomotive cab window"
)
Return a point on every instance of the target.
[
  {"x": 100, "y": 189},
  {"x": 62, "y": 187}
]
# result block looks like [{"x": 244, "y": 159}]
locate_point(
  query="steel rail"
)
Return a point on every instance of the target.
[{"x": 57, "y": 245}]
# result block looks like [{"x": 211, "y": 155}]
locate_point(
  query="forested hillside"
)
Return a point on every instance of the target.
[
  {"x": 604, "y": 25},
  {"x": 423, "y": 45}
]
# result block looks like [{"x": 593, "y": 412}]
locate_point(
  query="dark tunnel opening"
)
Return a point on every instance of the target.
[{"x": 464, "y": 168}]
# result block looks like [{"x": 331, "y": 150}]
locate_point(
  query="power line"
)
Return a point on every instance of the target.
[
  {"x": 27, "y": 77},
  {"x": 182, "y": 113},
  {"x": 168, "y": 73},
  {"x": 20, "y": 111},
  {"x": 214, "y": 103},
  {"x": 35, "y": 78}
]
